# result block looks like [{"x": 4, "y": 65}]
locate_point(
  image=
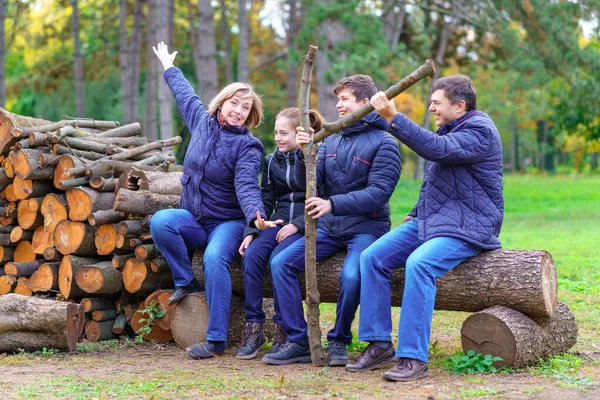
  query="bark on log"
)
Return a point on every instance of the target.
[
  {"x": 23, "y": 189},
  {"x": 102, "y": 184},
  {"x": 146, "y": 252},
  {"x": 190, "y": 320},
  {"x": 102, "y": 217},
  {"x": 90, "y": 304},
  {"x": 100, "y": 278},
  {"x": 524, "y": 280},
  {"x": 517, "y": 339},
  {"x": 104, "y": 315},
  {"x": 18, "y": 234},
  {"x": 118, "y": 261},
  {"x": 97, "y": 331},
  {"x": 23, "y": 268},
  {"x": 128, "y": 130},
  {"x": 120, "y": 324},
  {"x": 83, "y": 201},
  {"x": 6, "y": 254},
  {"x": 4, "y": 179},
  {"x": 10, "y": 122},
  {"x": 155, "y": 182},
  {"x": 77, "y": 238},
  {"x": 130, "y": 227},
  {"x": 31, "y": 323},
  {"x": 69, "y": 266},
  {"x": 143, "y": 202},
  {"x": 27, "y": 165},
  {"x": 138, "y": 277},
  {"x": 45, "y": 278}
]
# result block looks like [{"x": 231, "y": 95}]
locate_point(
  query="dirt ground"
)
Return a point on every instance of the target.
[{"x": 164, "y": 371}]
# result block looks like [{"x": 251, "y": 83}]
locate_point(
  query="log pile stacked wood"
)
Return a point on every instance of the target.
[{"x": 63, "y": 232}]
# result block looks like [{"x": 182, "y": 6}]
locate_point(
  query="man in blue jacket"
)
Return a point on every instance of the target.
[
  {"x": 357, "y": 172},
  {"x": 459, "y": 214}
]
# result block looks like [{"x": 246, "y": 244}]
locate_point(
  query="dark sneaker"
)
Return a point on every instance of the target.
[
  {"x": 372, "y": 357},
  {"x": 337, "y": 354},
  {"x": 193, "y": 287},
  {"x": 281, "y": 337},
  {"x": 205, "y": 350},
  {"x": 253, "y": 339},
  {"x": 407, "y": 370},
  {"x": 289, "y": 353}
]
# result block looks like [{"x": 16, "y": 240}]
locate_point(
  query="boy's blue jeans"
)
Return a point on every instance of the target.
[
  {"x": 176, "y": 232},
  {"x": 284, "y": 271},
  {"x": 424, "y": 262},
  {"x": 262, "y": 248}
]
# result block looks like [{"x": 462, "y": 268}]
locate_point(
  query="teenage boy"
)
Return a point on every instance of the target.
[
  {"x": 459, "y": 214},
  {"x": 357, "y": 172}
]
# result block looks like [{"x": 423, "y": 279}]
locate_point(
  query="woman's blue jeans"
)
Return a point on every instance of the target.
[
  {"x": 262, "y": 249},
  {"x": 176, "y": 232},
  {"x": 284, "y": 271},
  {"x": 424, "y": 262}
]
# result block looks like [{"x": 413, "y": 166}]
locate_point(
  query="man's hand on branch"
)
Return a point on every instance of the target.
[
  {"x": 317, "y": 206},
  {"x": 263, "y": 224},
  {"x": 303, "y": 138},
  {"x": 162, "y": 52},
  {"x": 384, "y": 106}
]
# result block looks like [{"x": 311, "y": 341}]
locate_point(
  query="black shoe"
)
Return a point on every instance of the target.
[
  {"x": 281, "y": 338},
  {"x": 193, "y": 287},
  {"x": 372, "y": 357},
  {"x": 407, "y": 370},
  {"x": 337, "y": 354},
  {"x": 253, "y": 340},
  {"x": 289, "y": 353},
  {"x": 205, "y": 350}
]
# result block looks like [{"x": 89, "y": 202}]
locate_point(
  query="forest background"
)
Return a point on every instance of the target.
[{"x": 535, "y": 63}]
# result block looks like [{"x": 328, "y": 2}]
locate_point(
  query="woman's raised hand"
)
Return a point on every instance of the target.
[
  {"x": 263, "y": 224},
  {"x": 162, "y": 52}
]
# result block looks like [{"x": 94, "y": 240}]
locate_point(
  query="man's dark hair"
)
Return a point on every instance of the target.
[
  {"x": 457, "y": 88},
  {"x": 361, "y": 86}
]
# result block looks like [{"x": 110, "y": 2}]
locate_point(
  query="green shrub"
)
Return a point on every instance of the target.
[{"x": 470, "y": 363}]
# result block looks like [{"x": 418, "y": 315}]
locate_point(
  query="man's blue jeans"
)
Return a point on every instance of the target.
[
  {"x": 176, "y": 232},
  {"x": 262, "y": 248},
  {"x": 284, "y": 271},
  {"x": 424, "y": 262}
]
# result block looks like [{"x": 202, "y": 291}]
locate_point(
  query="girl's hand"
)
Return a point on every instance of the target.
[
  {"x": 263, "y": 224},
  {"x": 162, "y": 52},
  {"x": 285, "y": 232},
  {"x": 245, "y": 243},
  {"x": 302, "y": 137}
]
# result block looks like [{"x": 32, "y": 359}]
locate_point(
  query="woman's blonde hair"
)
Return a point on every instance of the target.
[
  {"x": 256, "y": 112},
  {"x": 293, "y": 115}
]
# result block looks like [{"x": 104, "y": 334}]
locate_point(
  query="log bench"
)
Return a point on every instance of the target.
[{"x": 513, "y": 294}]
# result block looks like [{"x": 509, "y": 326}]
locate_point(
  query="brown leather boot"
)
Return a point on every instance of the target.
[
  {"x": 407, "y": 370},
  {"x": 372, "y": 357}
]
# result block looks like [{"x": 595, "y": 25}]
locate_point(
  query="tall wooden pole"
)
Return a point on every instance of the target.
[{"x": 311, "y": 151}]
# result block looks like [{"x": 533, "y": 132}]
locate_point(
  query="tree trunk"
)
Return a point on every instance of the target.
[
  {"x": 206, "y": 68},
  {"x": 90, "y": 304},
  {"x": 143, "y": 202},
  {"x": 69, "y": 266},
  {"x": 23, "y": 268},
  {"x": 514, "y": 145},
  {"x": 146, "y": 252},
  {"x": 517, "y": 339},
  {"x": 100, "y": 279},
  {"x": 129, "y": 60},
  {"x": 105, "y": 315},
  {"x": 120, "y": 324},
  {"x": 32, "y": 323},
  {"x": 78, "y": 61},
  {"x": 394, "y": 12},
  {"x": 97, "y": 331},
  {"x": 27, "y": 166},
  {"x": 152, "y": 73},
  {"x": 243, "y": 41},
  {"x": 10, "y": 122},
  {"x": 226, "y": 43},
  {"x": 102, "y": 217},
  {"x": 23, "y": 189},
  {"x": 524, "y": 280},
  {"x": 164, "y": 25}
]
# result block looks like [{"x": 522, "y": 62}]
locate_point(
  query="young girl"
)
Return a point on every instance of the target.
[
  {"x": 220, "y": 195},
  {"x": 282, "y": 196}
]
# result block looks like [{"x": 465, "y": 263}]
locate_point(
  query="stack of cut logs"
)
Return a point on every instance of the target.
[{"x": 76, "y": 197}]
